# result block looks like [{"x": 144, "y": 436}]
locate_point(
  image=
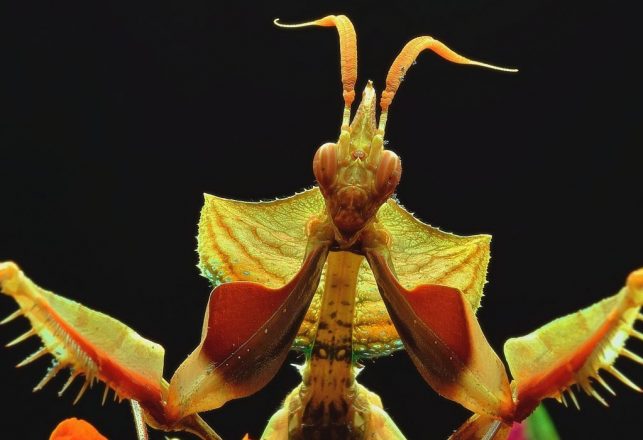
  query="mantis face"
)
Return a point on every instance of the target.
[{"x": 355, "y": 174}]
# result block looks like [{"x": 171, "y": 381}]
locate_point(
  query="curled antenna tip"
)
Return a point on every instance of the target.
[
  {"x": 294, "y": 25},
  {"x": 492, "y": 67}
]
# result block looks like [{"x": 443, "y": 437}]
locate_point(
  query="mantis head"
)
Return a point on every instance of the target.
[{"x": 357, "y": 174}]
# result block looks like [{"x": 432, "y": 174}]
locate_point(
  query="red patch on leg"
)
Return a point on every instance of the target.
[{"x": 442, "y": 309}]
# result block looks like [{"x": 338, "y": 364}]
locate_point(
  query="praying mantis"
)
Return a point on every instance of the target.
[{"x": 430, "y": 285}]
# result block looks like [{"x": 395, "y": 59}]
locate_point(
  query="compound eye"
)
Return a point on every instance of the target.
[
  {"x": 325, "y": 165},
  {"x": 388, "y": 173}
]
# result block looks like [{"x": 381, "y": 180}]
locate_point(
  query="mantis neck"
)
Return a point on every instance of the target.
[{"x": 328, "y": 388}]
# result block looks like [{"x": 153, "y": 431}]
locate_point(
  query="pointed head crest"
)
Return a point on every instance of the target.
[
  {"x": 356, "y": 175},
  {"x": 363, "y": 125}
]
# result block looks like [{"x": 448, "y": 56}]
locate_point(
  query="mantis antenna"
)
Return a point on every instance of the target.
[
  {"x": 406, "y": 58},
  {"x": 348, "y": 55}
]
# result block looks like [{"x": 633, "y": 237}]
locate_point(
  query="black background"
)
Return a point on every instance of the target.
[{"x": 119, "y": 116}]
